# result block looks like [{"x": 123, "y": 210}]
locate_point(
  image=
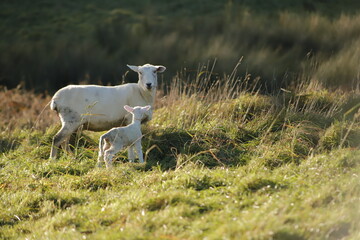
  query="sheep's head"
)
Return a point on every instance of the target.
[
  {"x": 138, "y": 112},
  {"x": 148, "y": 75}
]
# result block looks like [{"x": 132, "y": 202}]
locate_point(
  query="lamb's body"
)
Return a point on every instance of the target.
[
  {"x": 118, "y": 138},
  {"x": 99, "y": 108}
]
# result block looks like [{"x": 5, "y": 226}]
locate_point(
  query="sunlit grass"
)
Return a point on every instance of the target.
[{"x": 222, "y": 161}]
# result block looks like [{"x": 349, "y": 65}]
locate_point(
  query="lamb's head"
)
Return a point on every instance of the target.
[
  {"x": 138, "y": 113},
  {"x": 147, "y": 75}
]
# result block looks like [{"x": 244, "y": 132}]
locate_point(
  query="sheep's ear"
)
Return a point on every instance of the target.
[
  {"x": 134, "y": 68},
  {"x": 147, "y": 108},
  {"x": 128, "y": 108},
  {"x": 160, "y": 69}
]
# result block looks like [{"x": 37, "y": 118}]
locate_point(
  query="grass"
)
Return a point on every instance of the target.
[{"x": 222, "y": 161}]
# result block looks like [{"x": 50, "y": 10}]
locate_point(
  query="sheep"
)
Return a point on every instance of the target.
[
  {"x": 99, "y": 108},
  {"x": 130, "y": 136}
]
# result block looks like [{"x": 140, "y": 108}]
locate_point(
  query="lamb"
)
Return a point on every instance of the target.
[
  {"x": 116, "y": 139},
  {"x": 99, "y": 108}
]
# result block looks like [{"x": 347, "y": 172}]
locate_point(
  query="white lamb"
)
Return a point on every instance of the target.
[
  {"x": 130, "y": 136},
  {"x": 99, "y": 108}
]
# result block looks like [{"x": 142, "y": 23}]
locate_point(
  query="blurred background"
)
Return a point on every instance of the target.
[{"x": 46, "y": 44}]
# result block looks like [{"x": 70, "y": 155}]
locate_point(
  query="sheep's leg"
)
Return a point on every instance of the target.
[
  {"x": 65, "y": 144},
  {"x": 138, "y": 148},
  {"x": 100, "y": 160},
  {"x": 60, "y": 136},
  {"x": 131, "y": 153},
  {"x": 70, "y": 121}
]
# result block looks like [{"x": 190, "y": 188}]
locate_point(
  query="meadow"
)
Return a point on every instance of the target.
[
  {"x": 256, "y": 129},
  {"x": 222, "y": 162}
]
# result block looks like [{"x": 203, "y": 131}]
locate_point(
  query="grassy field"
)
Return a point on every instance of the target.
[
  {"x": 273, "y": 154},
  {"x": 222, "y": 162}
]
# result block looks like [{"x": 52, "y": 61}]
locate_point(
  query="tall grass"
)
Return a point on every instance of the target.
[
  {"x": 231, "y": 123},
  {"x": 222, "y": 161},
  {"x": 24, "y": 109}
]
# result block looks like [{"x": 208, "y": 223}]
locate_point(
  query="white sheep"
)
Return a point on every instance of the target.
[
  {"x": 130, "y": 136},
  {"x": 99, "y": 108}
]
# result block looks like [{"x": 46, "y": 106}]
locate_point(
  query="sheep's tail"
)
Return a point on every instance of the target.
[{"x": 53, "y": 105}]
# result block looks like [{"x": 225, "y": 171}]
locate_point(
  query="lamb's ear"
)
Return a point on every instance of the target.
[
  {"x": 128, "y": 108},
  {"x": 147, "y": 108},
  {"x": 160, "y": 69},
  {"x": 134, "y": 68}
]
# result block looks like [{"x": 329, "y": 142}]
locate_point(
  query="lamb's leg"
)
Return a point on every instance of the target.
[
  {"x": 109, "y": 154},
  {"x": 102, "y": 148},
  {"x": 138, "y": 148},
  {"x": 60, "y": 136},
  {"x": 131, "y": 153}
]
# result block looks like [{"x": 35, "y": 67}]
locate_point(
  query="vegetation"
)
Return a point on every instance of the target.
[
  {"x": 222, "y": 161},
  {"x": 273, "y": 154},
  {"x": 46, "y": 45}
]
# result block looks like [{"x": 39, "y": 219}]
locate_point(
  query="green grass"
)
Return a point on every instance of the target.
[
  {"x": 249, "y": 166},
  {"x": 223, "y": 159},
  {"x": 316, "y": 199}
]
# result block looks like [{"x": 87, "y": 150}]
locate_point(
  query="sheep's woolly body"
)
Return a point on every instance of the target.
[{"x": 99, "y": 108}]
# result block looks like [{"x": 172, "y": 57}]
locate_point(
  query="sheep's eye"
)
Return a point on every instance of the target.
[{"x": 155, "y": 71}]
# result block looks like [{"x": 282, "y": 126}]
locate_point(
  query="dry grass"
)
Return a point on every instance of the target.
[{"x": 24, "y": 109}]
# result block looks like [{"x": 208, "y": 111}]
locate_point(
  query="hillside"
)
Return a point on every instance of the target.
[
  {"x": 256, "y": 128},
  {"x": 225, "y": 162},
  {"x": 46, "y": 45}
]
